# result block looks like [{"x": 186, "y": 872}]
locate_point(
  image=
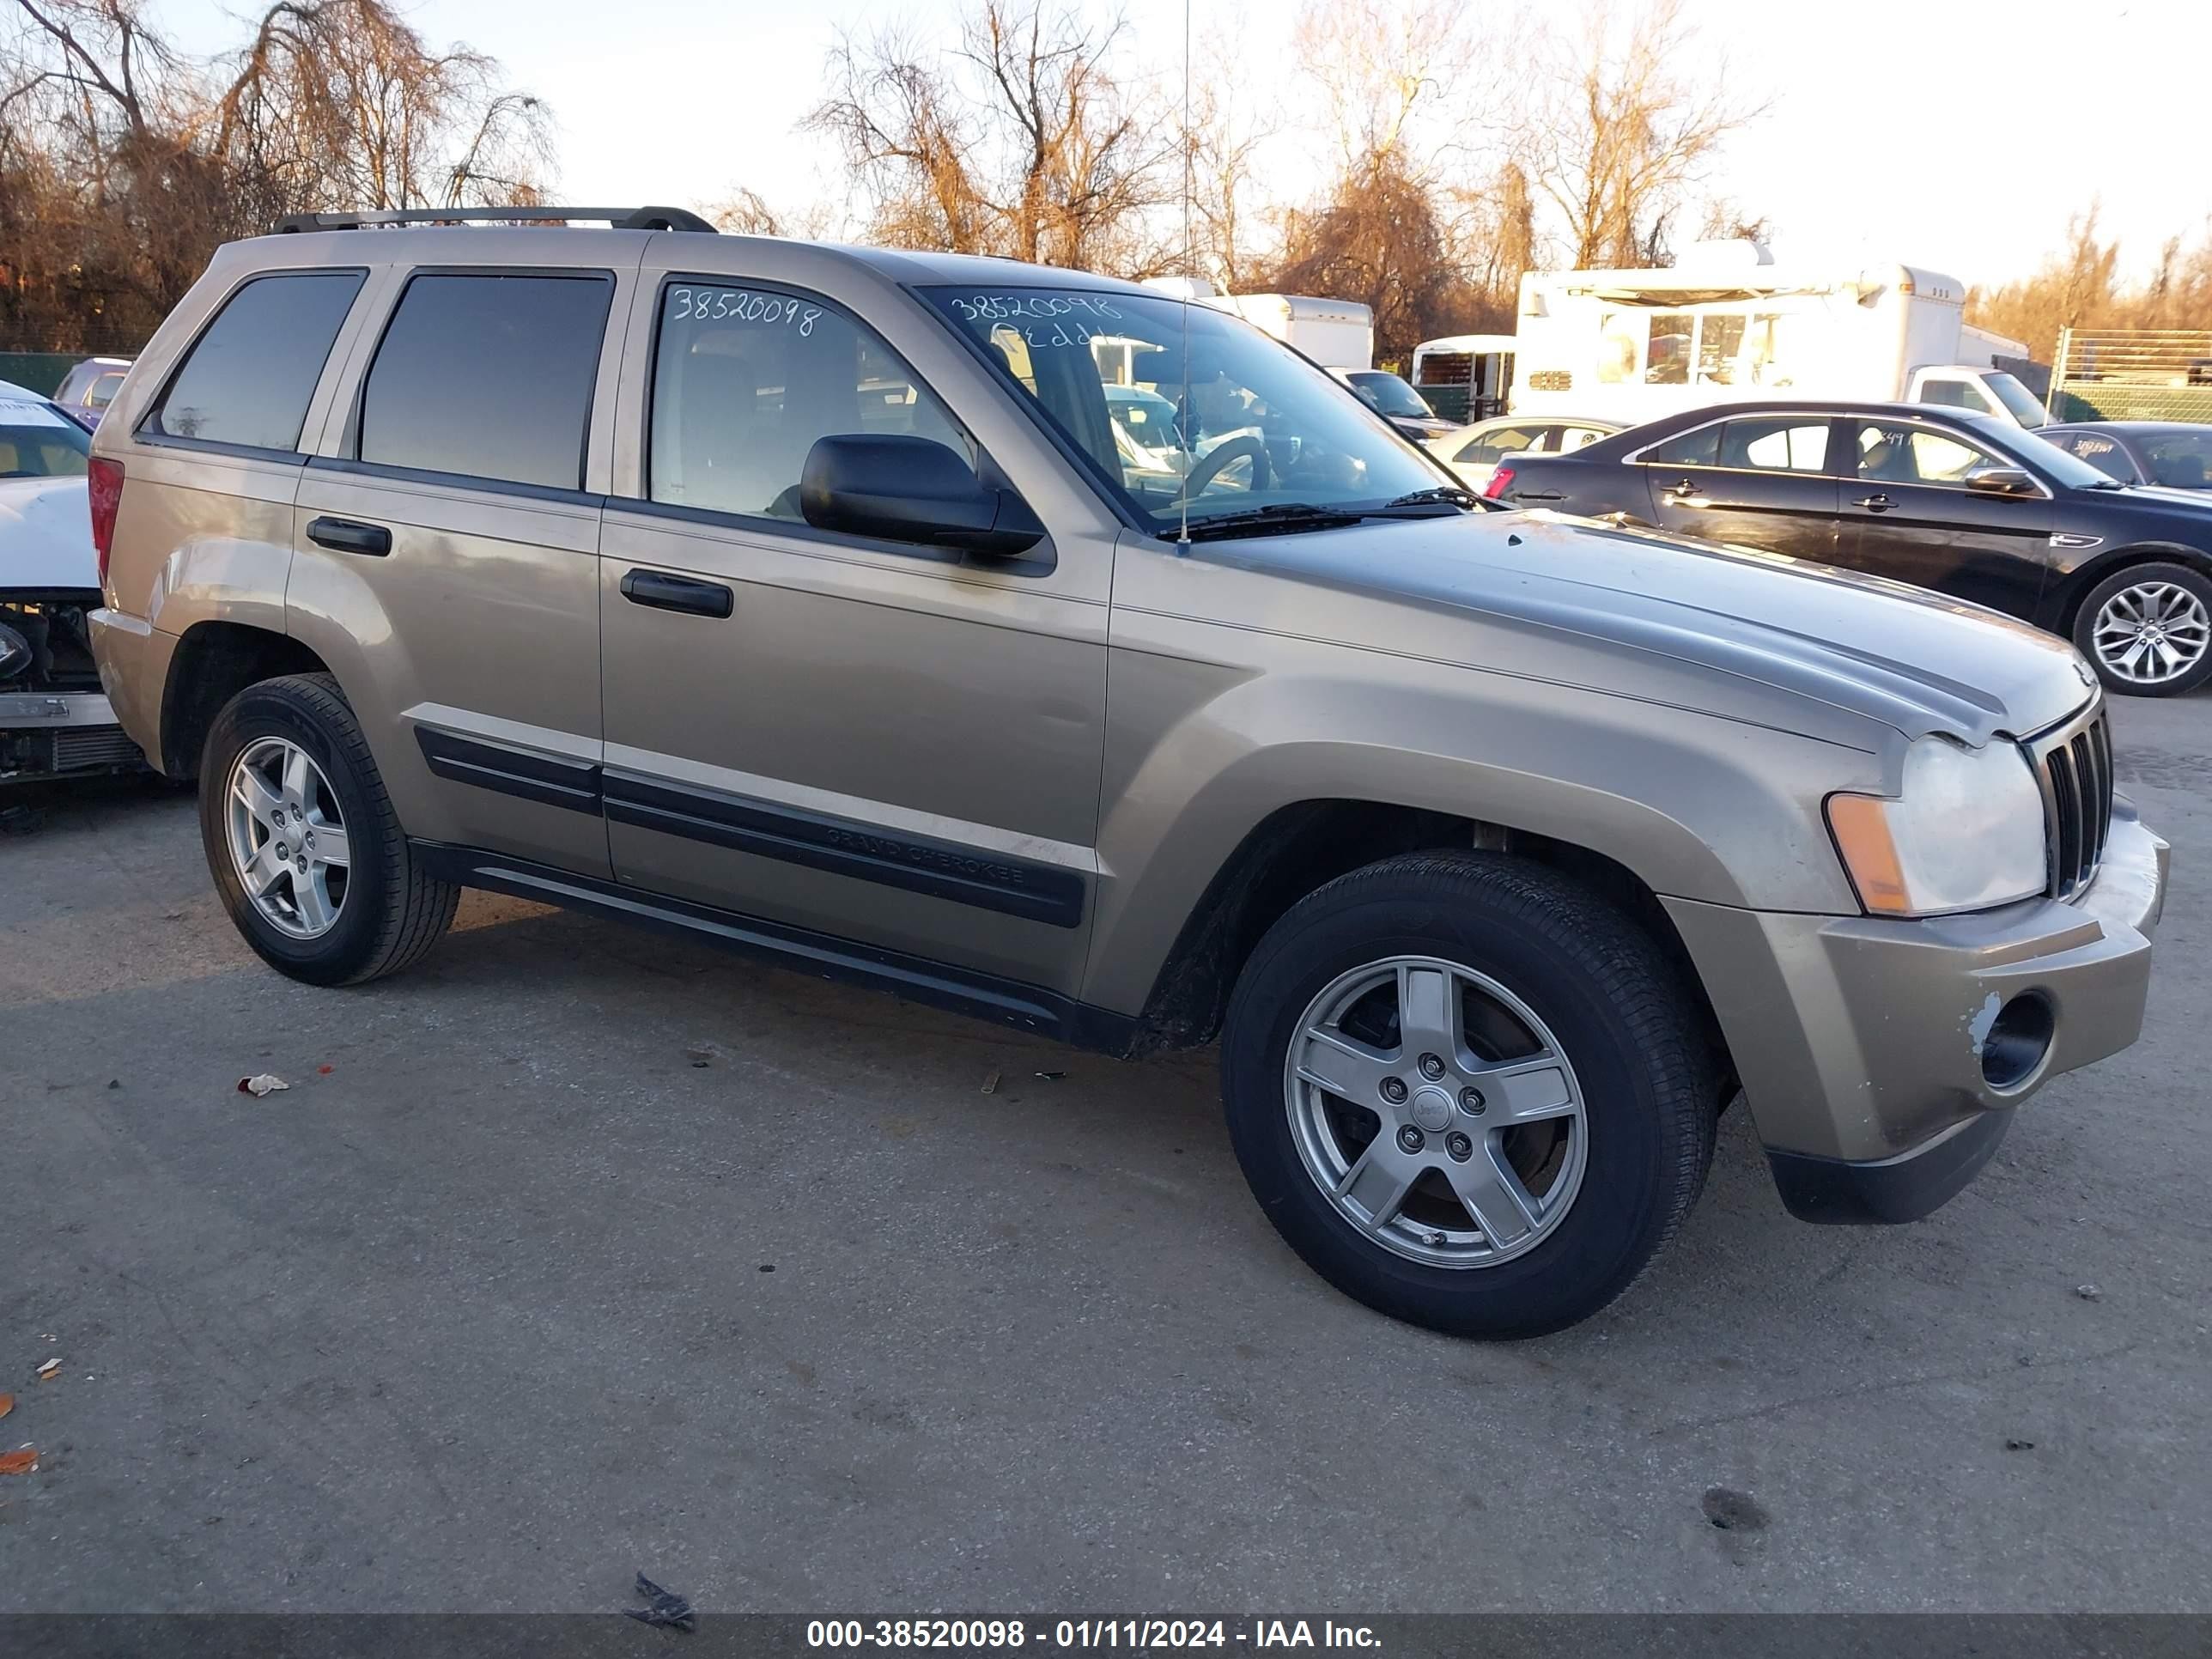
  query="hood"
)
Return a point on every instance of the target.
[
  {"x": 2194, "y": 505},
  {"x": 45, "y": 535},
  {"x": 1735, "y": 632}
]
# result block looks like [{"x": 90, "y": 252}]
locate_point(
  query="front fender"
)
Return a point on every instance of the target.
[{"x": 1199, "y": 752}]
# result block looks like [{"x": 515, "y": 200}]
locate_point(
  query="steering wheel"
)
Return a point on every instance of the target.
[{"x": 1241, "y": 447}]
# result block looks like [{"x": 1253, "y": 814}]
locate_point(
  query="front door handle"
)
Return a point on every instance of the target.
[
  {"x": 1875, "y": 503},
  {"x": 345, "y": 536},
  {"x": 663, "y": 591}
]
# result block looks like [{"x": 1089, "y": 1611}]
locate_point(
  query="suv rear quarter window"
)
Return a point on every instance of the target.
[
  {"x": 247, "y": 380},
  {"x": 487, "y": 375}
]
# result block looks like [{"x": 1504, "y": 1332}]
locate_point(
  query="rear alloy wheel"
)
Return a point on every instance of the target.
[
  {"x": 287, "y": 837},
  {"x": 2148, "y": 630},
  {"x": 306, "y": 850},
  {"x": 1470, "y": 1092}
]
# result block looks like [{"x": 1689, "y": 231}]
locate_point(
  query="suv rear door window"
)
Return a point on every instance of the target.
[
  {"x": 746, "y": 380},
  {"x": 247, "y": 380},
  {"x": 487, "y": 376}
]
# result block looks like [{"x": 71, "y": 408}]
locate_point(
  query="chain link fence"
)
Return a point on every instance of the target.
[{"x": 2133, "y": 374}]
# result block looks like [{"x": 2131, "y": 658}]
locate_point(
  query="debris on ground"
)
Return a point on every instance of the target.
[
  {"x": 1733, "y": 1511},
  {"x": 991, "y": 1084},
  {"x": 51, "y": 1368},
  {"x": 2087, "y": 1292},
  {"x": 666, "y": 1608},
  {"x": 2020, "y": 1445},
  {"x": 1052, "y": 1077},
  {"x": 115, "y": 1082},
  {"x": 267, "y": 1082},
  {"x": 21, "y": 820},
  {"x": 25, "y": 1462},
  {"x": 7, "y": 1404},
  {"x": 702, "y": 1055},
  {"x": 324, "y": 1071}
]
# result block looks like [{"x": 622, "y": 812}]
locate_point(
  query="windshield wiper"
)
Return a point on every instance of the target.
[
  {"x": 1444, "y": 494},
  {"x": 1276, "y": 515}
]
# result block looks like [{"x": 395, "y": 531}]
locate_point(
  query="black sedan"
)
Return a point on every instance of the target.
[
  {"x": 2167, "y": 452},
  {"x": 1965, "y": 504}
]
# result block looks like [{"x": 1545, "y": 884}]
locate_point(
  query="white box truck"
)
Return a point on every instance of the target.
[
  {"x": 1337, "y": 334},
  {"x": 1728, "y": 324}
]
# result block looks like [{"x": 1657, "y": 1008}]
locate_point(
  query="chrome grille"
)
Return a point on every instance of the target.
[{"x": 2073, "y": 764}]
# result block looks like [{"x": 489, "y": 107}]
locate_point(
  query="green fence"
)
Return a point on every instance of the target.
[
  {"x": 2096, "y": 400},
  {"x": 38, "y": 371}
]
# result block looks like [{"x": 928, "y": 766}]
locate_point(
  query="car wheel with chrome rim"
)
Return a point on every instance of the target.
[
  {"x": 2148, "y": 630},
  {"x": 1469, "y": 1090}
]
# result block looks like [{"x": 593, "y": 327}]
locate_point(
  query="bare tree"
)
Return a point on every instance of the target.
[
  {"x": 1022, "y": 140},
  {"x": 1618, "y": 132},
  {"x": 122, "y": 162},
  {"x": 1228, "y": 211},
  {"x": 1400, "y": 78}
]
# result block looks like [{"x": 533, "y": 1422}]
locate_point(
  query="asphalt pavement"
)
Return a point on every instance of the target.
[{"x": 509, "y": 1296}]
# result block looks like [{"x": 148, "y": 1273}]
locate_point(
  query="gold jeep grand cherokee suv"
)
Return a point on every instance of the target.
[{"x": 814, "y": 600}]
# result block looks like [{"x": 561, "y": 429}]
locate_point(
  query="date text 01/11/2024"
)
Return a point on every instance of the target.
[{"x": 1125, "y": 1633}]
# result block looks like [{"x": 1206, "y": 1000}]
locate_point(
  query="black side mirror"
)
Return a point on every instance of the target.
[
  {"x": 1989, "y": 480},
  {"x": 911, "y": 490}
]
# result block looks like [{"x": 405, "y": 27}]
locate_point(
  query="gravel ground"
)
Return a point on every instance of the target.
[{"x": 507, "y": 1298}]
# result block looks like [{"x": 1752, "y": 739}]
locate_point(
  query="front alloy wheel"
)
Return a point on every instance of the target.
[
  {"x": 1437, "y": 1112},
  {"x": 1469, "y": 1091}
]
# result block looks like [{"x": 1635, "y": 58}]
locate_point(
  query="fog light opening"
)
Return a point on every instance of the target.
[{"x": 2018, "y": 1040}]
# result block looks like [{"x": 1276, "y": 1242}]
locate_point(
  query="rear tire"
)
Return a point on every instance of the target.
[
  {"x": 1610, "y": 1092},
  {"x": 2148, "y": 630},
  {"x": 385, "y": 912}
]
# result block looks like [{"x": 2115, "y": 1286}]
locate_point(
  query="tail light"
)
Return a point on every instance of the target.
[
  {"x": 105, "y": 484},
  {"x": 1501, "y": 480}
]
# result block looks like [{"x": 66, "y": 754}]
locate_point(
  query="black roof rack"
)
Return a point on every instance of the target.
[{"x": 642, "y": 218}]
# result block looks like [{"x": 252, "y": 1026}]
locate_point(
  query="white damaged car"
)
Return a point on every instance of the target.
[{"x": 55, "y": 720}]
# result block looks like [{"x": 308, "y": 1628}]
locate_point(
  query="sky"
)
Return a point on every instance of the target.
[{"x": 1956, "y": 135}]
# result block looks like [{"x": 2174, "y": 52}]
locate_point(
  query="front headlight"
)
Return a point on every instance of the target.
[{"x": 1965, "y": 834}]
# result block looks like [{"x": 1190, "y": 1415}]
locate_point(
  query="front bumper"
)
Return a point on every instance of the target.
[
  {"x": 1862, "y": 1041},
  {"x": 46, "y": 734}
]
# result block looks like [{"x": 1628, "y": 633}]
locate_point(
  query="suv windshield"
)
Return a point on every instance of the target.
[
  {"x": 1380, "y": 389},
  {"x": 37, "y": 443},
  {"x": 1249, "y": 425}
]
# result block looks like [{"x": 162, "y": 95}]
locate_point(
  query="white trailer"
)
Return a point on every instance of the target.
[
  {"x": 1337, "y": 334},
  {"x": 1726, "y": 324}
]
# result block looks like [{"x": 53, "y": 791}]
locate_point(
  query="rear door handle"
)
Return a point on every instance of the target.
[
  {"x": 663, "y": 591},
  {"x": 1875, "y": 503},
  {"x": 344, "y": 536}
]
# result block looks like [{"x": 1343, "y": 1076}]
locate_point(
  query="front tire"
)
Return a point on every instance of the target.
[
  {"x": 2148, "y": 630},
  {"x": 306, "y": 850},
  {"x": 1471, "y": 1093}
]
